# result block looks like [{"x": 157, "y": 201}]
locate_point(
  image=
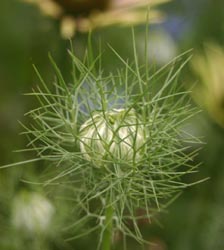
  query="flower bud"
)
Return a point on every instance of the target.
[
  {"x": 115, "y": 136},
  {"x": 32, "y": 213}
]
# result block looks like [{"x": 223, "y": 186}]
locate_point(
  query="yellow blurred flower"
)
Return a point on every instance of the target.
[
  {"x": 208, "y": 66},
  {"x": 86, "y": 15}
]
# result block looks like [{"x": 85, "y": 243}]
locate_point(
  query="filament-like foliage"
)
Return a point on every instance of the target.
[{"x": 117, "y": 163}]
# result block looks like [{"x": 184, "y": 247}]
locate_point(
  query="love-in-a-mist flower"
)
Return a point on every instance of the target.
[
  {"x": 116, "y": 140},
  {"x": 113, "y": 136}
]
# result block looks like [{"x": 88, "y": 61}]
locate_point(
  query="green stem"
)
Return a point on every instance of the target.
[{"x": 107, "y": 235}]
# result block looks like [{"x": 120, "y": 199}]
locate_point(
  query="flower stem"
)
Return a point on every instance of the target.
[{"x": 107, "y": 235}]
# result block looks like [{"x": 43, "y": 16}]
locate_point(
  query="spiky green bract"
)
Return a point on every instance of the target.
[{"x": 119, "y": 174}]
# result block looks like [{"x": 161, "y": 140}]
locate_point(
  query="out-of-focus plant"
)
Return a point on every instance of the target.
[
  {"x": 209, "y": 91},
  {"x": 31, "y": 221},
  {"x": 32, "y": 213},
  {"x": 162, "y": 48},
  {"x": 117, "y": 143},
  {"x": 86, "y": 15}
]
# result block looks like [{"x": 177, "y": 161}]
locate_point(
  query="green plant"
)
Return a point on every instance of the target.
[{"x": 117, "y": 137}]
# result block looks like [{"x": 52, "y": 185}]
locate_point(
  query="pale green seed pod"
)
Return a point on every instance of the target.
[{"x": 115, "y": 136}]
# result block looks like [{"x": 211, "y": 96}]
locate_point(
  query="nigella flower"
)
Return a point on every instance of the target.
[
  {"x": 116, "y": 140},
  {"x": 86, "y": 15}
]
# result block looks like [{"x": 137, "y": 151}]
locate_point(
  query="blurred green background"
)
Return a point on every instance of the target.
[{"x": 195, "y": 221}]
